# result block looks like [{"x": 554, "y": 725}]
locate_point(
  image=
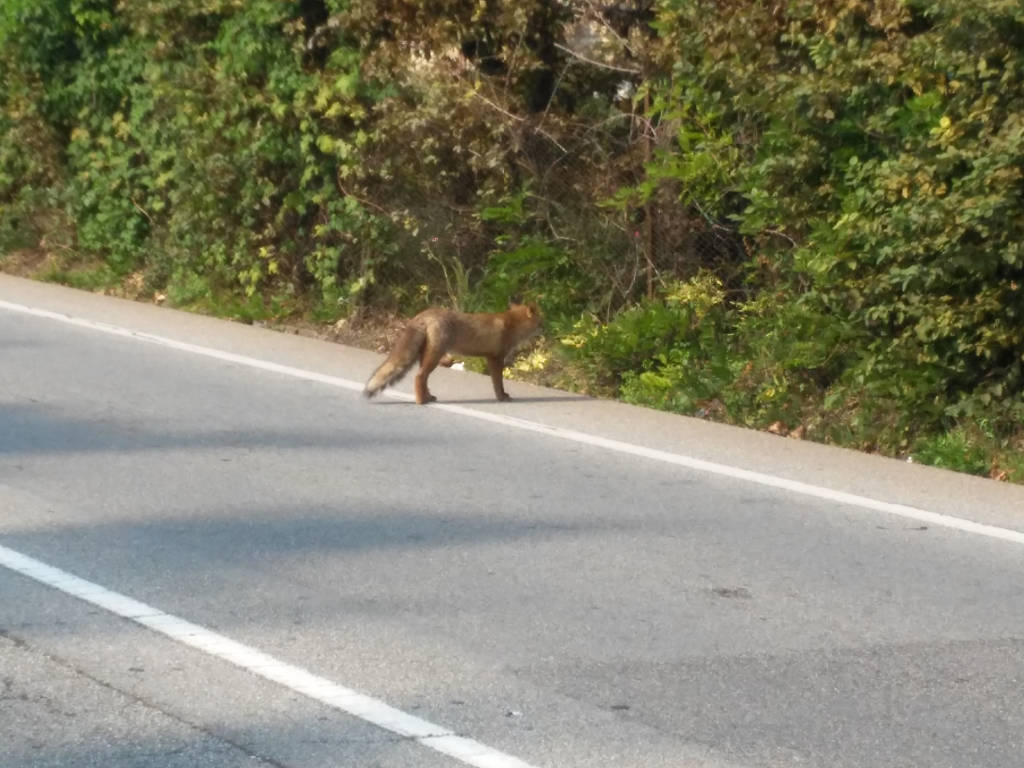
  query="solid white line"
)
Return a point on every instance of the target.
[
  {"x": 619, "y": 446},
  {"x": 184, "y": 346},
  {"x": 750, "y": 476},
  {"x": 295, "y": 678}
]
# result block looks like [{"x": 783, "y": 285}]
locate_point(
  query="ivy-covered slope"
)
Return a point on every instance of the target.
[{"x": 788, "y": 214}]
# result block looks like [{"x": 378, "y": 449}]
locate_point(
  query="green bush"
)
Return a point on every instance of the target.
[{"x": 803, "y": 212}]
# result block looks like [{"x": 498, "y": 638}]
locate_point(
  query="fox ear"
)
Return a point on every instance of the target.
[{"x": 513, "y": 300}]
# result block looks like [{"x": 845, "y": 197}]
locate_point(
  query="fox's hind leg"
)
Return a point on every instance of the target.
[{"x": 429, "y": 359}]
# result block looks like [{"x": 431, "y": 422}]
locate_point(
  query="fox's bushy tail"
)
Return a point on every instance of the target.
[{"x": 405, "y": 352}]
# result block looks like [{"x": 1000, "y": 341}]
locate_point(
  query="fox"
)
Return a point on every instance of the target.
[{"x": 436, "y": 333}]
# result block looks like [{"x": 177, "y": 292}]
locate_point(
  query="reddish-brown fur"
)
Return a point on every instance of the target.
[{"x": 435, "y": 332}]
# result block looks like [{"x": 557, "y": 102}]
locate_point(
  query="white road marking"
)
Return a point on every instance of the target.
[
  {"x": 750, "y": 476},
  {"x": 295, "y": 678},
  {"x": 619, "y": 446}
]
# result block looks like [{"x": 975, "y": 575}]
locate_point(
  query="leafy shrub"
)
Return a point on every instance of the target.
[{"x": 803, "y": 212}]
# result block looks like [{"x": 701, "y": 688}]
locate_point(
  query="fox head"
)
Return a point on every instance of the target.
[{"x": 527, "y": 317}]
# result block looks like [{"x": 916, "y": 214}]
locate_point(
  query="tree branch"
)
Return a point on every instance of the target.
[{"x": 594, "y": 62}]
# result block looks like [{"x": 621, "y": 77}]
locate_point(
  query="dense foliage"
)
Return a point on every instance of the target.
[{"x": 774, "y": 212}]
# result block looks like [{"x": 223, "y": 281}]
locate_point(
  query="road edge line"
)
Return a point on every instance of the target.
[{"x": 724, "y": 470}]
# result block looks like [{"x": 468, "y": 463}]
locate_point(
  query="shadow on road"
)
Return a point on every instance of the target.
[
  {"x": 487, "y": 400},
  {"x": 31, "y": 429}
]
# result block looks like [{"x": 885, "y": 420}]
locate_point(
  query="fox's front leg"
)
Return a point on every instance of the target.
[{"x": 496, "y": 365}]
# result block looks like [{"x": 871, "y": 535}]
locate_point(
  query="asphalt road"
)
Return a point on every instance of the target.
[{"x": 559, "y": 602}]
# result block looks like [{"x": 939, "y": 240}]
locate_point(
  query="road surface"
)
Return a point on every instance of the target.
[{"x": 215, "y": 552}]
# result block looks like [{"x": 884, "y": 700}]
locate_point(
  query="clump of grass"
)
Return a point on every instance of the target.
[
  {"x": 976, "y": 450},
  {"x": 954, "y": 450}
]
